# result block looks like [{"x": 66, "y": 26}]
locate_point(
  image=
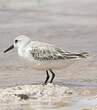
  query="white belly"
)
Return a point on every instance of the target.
[{"x": 54, "y": 64}]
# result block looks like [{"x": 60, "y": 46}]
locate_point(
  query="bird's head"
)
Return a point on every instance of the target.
[{"x": 19, "y": 42}]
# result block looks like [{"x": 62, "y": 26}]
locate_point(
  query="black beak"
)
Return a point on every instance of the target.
[{"x": 11, "y": 47}]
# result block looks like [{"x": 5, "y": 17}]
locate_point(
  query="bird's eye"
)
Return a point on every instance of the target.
[{"x": 16, "y": 41}]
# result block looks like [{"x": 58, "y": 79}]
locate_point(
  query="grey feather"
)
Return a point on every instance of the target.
[{"x": 53, "y": 53}]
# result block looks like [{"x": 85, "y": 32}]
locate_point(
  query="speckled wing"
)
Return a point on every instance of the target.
[
  {"x": 47, "y": 53},
  {"x": 44, "y": 51},
  {"x": 51, "y": 53}
]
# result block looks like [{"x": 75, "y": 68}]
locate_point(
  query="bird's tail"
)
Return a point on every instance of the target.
[{"x": 83, "y": 55}]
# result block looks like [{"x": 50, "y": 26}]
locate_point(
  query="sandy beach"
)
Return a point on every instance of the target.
[{"x": 70, "y": 25}]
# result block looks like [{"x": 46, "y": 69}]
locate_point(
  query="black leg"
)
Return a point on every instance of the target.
[
  {"x": 53, "y": 75},
  {"x": 47, "y": 78}
]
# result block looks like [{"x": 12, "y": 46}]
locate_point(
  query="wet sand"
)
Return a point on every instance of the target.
[{"x": 68, "y": 24}]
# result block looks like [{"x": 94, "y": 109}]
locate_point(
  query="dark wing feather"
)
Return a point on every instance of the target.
[
  {"x": 53, "y": 53},
  {"x": 41, "y": 53}
]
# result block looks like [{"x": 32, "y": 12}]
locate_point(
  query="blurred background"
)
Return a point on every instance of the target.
[
  {"x": 71, "y": 25},
  {"x": 68, "y": 24}
]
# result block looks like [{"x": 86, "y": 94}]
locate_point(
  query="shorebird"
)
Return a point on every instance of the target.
[{"x": 44, "y": 56}]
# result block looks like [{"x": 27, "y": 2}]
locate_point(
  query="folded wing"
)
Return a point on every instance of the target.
[{"x": 52, "y": 53}]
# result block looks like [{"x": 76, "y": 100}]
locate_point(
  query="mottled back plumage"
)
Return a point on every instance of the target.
[{"x": 45, "y": 51}]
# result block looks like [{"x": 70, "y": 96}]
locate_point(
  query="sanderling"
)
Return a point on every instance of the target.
[{"x": 43, "y": 55}]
